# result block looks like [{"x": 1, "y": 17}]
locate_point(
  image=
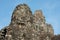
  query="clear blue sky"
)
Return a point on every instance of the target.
[{"x": 50, "y": 8}]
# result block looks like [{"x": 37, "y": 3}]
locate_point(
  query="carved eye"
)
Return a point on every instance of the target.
[{"x": 21, "y": 24}]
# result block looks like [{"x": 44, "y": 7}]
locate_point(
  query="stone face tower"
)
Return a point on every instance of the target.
[{"x": 25, "y": 26}]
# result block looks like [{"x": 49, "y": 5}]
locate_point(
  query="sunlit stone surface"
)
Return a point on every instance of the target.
[{"x": 25, "y": 26}]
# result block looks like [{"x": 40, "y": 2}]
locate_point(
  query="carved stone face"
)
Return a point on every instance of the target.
[
  {"x": 38, "y": 18},
  {"x": 21, "y": 13},
  {"x": 50, "y": 30}
]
